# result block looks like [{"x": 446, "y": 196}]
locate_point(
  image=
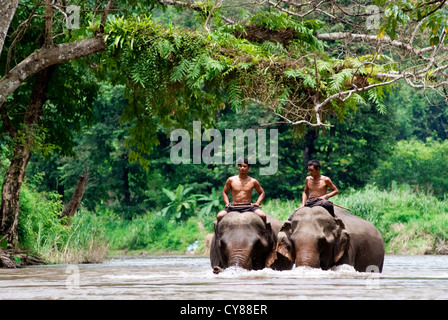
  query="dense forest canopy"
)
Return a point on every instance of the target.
[{"x": 102, "y": 84}]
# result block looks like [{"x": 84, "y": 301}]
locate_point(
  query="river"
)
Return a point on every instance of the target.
[{"x": 190, "y": 277}]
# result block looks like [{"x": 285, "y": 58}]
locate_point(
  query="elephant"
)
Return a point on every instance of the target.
[
  {"x": 316, "y": 239},
  {"x": 243, "y": 239}
]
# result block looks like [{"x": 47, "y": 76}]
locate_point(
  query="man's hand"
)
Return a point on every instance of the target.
[{"x": 255, "y": 205}]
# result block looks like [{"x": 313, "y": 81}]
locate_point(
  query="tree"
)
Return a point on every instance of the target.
[
  {"x": 280, "y": 55},
  {"x": 385, "y": 42},
  {"x": 307, "y": 62},
  {"x": 41, "y": 64}
]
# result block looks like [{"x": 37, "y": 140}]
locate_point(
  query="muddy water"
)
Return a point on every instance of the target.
[{"x": 191, "y": 277}]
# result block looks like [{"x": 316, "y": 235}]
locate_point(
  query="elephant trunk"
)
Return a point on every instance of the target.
[
  {"x": 307, "y": 260},
  {"x": 240, "y": 258},
  {"x": 307, "y": 254}
]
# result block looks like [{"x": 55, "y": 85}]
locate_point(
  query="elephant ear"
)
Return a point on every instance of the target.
[
  {"x": 272, "y": 254},
  {"x": 342, "y": 241},
  {"x": 284, "y": 245}
]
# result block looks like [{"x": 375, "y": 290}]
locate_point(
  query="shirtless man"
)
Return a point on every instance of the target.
[
  {"x": 242, "y": 186},
  {"x": 315, "y": 192}
]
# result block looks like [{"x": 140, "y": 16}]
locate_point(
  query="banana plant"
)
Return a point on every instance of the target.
[
  {"x": 182, "y": 204},
  {"x": 212, "y": 204}
]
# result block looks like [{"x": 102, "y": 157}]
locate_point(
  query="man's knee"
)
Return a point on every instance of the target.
[
  {"x": 220, "y": 215},
  {"x": 261, "y": 214}
]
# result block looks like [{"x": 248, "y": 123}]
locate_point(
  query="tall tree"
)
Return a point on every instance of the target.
[
  {"x": 41, "y": 65},
  {"x": 275, "y": 54}
]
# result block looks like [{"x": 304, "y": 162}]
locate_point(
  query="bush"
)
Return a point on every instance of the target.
[
  {"x": 424, "y": 166},
  {"x": 410, "y": 222},
  {"x": 80, "y": 239},
  {"x": 153, "y": 233}
]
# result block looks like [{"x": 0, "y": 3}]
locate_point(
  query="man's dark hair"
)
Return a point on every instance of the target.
[
  {"x": 314, "y": 163},
  {"x": 241, "y": 161}
]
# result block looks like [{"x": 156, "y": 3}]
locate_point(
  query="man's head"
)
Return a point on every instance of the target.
[
  {"x": 313, "y": 167},
  {"x": 243, "y": 166}
]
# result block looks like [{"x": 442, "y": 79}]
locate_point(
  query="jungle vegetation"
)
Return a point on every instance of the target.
[{"x": 362, "y": 91}]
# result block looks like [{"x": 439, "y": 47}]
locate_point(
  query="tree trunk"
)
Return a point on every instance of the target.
[
  {"x": 126, "y": 188},
  {"x": 12, "y": 184},
  {"x": 309, "y": 150},
  {"x": 7, "y": 10},
  {"x": 73, "y": 204},
  {"x": 49, "y": 54}
]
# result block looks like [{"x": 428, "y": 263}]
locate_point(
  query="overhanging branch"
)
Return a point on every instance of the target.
[{"x": 46, "y": 57}]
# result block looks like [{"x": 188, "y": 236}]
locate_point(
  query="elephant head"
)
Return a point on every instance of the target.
[
  {"x": 313, "y": 238},
  {"x": 242, "y": 239}
]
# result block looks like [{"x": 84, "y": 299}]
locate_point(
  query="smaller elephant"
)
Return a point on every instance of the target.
[
  {"x": 316, "y": 239},
  {"x": 243, "y": 239}
]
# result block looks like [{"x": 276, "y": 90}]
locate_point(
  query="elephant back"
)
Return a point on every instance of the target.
[{"x": 238, "y": 218}]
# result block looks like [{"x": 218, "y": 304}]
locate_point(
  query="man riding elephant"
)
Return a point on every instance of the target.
[
  {"x": 242, "y": 186},
  {"x": 315, "y": 192},
  {"x": 242, "y": 238}
]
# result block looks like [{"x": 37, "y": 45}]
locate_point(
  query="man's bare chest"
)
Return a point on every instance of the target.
[
  {"x": 317, "y": 184},
  {"x": 243, "y": 186}
]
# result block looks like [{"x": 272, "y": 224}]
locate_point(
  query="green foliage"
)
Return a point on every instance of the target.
[
  {"x": 419, "y": 115},
  {"x": 174, "y": 75},
  {"x": 153, "y": 233},
  {"x": 181, "y": 203},
  {"x": 424, "y": 166},
  {"x": 433, "y": 15},
  {"x": 211, "y": 204},
  {"x": 410, "y": 222},
  {"x": 80, "y": 239}
]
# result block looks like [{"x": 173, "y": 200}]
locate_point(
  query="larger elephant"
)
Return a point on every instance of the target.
[
  {"x": 245, "y": 240},
  {"x": 316, "y": 239}
]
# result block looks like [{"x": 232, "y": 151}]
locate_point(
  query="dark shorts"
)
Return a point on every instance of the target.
[
  {"x": 241, "y": 208},
  {"x": 322, "y": 203},
  {"x": 328, "y": 205}
]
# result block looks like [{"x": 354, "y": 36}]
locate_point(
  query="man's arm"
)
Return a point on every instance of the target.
[
  {"x": 225, "y": 192},
  {"x": 306, "y": 192},
  {"x": 260, "y": 191},
  {"x": 334, "y": 190}
]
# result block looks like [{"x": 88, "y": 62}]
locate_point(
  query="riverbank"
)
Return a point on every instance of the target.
[
  {"x": 17, "y": 258},
  {"x": 411, "y": 223}
]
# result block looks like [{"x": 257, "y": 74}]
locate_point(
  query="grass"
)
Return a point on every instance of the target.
[
  {"x": 410, "y": 222},
  {"x": 78, "y": 240},
  {"x": 152, "y": 233}
]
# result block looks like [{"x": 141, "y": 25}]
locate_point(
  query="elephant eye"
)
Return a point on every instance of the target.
[
  {"x": 222, "y": 243},
  {"x": 322, "y": 242},
  {"x": 261, "y": 242}
]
